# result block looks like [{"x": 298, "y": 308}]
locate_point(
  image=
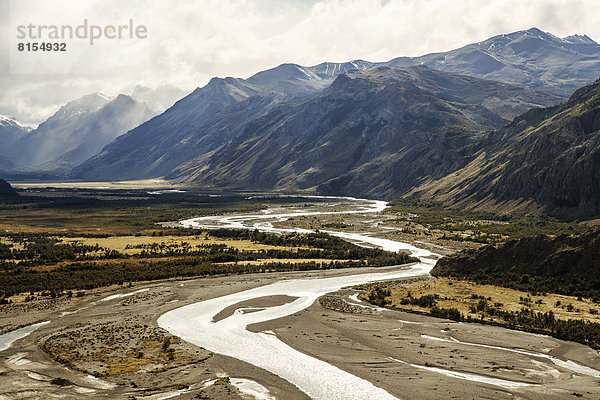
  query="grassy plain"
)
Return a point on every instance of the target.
[
  {"x": 465, "y": 295},
  {"x": 136, "y": 244}
]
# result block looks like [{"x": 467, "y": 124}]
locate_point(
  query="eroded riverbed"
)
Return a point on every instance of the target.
[{"x": 319, "y": 380}]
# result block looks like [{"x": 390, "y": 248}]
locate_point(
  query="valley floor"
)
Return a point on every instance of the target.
[{"x": 107, "y": 343}]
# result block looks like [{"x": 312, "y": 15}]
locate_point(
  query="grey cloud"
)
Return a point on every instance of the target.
[{"x": 194, "y": 40}]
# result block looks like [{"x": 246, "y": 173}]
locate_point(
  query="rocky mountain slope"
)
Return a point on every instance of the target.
[
  {"x": 547, "y": 159},
  {"x": 206, "y": 119},
  {"x": 77, "y": 131}
]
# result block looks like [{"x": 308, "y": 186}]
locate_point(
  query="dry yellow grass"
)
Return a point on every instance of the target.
[
  {"x": 122, "y": 366},
  {"x": 121, "y": 243},
  {"x": 458, "y": 294}
]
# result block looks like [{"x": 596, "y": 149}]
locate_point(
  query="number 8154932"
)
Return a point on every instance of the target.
[{"x": 42, "y": 46}]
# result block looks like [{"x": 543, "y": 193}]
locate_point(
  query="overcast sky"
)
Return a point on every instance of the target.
[{"x": 191, "y": 41}]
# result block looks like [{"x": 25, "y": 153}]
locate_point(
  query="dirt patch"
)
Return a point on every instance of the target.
[
  {"x": 114, "y": 348},
  {"x": 465, "y": 295}
]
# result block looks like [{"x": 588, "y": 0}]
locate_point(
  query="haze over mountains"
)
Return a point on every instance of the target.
[
  {"x": 370, "y": 129},
  {"x": 160, "y": 98},
  {"x": 531, "y": 58},
  {"x": 77, "y": 131},
  {"x": 180, "y": 133}
]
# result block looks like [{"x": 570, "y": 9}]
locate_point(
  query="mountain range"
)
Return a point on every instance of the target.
[
  {"x": 242, "y": 135},
  {"x": 324, "y": 127},
  {"x": 213, "y": 115},
  {"x": 373, "y": 132},
  {"x": 438, "y": 126}
]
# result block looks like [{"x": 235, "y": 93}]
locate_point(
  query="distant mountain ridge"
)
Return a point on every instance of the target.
[
  {"x": 293, "y": 79},
  {"x": 530, "y": 58},
  {"x": 11, "y": 131},
  {"x": 76, "y": 132},
  {"x": 8, "y": 124}
]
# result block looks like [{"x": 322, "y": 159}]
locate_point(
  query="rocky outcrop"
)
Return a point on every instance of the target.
[
  {"x": 6, "y": 190},
  {"x": 563, "y": 264}
]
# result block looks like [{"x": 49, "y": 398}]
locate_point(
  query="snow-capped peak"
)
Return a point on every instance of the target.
[
  {"x": 85, "y": 104},
  {"x": 6, "y": 121}
]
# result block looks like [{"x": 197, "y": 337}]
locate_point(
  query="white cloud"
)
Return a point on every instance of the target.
[{"x": 194, "y": 40}]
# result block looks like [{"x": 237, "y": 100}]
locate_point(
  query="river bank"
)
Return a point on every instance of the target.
[{"x": 341, "y": 348}]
